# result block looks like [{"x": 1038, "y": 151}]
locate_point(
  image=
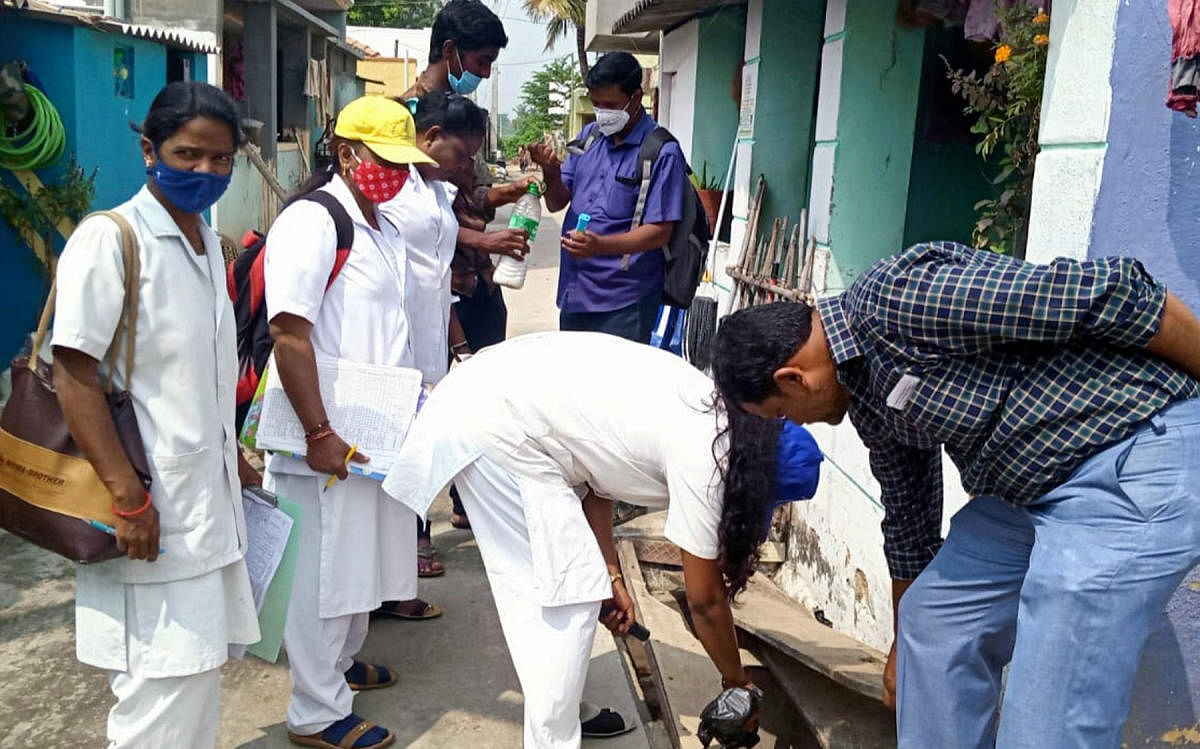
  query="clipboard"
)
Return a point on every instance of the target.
[{"x": 273, "y": 616}]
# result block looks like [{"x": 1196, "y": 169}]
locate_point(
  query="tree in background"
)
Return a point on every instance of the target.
[
  {"x": 560, "y": 17},
  {"x": 405, "y": 14},
  {"x": 545, "y": 102}
]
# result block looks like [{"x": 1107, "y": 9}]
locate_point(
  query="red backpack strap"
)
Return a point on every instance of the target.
[{"x": 343, "y": 226}]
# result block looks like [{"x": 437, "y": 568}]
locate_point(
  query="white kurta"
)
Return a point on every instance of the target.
[
  {"x": 365, "y": 539},
  {"x": 558, "y": 410},
  {"x": 160, "y": 617},
  {"x": 424, "y": 214}
]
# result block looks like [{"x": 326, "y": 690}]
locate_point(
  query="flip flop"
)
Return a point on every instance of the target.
[
  {"x": 351, "y": 732},
  {"x": 431, "y": 611},
  {"x": 362, "y": 677},
  {"x": 430, "y": 555}
]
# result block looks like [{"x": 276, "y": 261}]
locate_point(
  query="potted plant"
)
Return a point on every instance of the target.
[{"x": 709, "y": 188}]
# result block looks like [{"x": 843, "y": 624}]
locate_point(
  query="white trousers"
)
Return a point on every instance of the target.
[
  {"x": 180, "y": 712},
  {"x": 319, "y": 650},
  {"x": 550, "y": 645}
]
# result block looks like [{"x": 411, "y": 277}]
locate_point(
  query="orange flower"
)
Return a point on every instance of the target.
[
  {"x": 1041, "y": 40},
  {"x": 1003, "y": 52},
  {"x": 1041, "y": 19}
]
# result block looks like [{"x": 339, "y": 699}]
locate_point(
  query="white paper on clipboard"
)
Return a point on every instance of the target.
[
  {"x": 267, "y": 531},
  {"x": 368, "y": 405}
]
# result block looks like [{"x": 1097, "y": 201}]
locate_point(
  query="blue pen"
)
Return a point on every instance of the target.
[{"x": 106, "y": 528}]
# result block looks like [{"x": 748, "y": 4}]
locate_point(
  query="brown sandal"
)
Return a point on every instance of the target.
[
  {"x": 362, "y": 677},
  {"x": 428, "y": 611},
  {"x": 347, "y": 742}
]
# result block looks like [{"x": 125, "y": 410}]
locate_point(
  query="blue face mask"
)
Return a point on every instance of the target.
[
  {"x": 466, "y": 83},
  {"x": 190, "y": 192}
]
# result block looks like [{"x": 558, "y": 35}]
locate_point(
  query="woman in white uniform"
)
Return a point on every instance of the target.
[
  {"x": 162, "y": 625},
  {"x": 356, "y": 548},
  {"x": 450, "y": 128},
  {"x": 526, "y": 427}
]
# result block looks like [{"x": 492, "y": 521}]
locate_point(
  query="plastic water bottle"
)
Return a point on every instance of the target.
[{"x": 527, "y": 215}]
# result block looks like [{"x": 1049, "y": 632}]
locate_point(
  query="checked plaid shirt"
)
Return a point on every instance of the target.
[{"x": 1020, "y": 371}]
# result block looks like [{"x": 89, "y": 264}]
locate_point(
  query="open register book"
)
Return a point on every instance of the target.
[{"x": 369, "y": 406}]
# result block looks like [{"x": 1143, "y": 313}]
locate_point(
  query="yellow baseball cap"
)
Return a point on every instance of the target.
[{"x": 383, "y": 125}]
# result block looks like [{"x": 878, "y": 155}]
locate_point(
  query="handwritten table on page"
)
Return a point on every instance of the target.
[
  {"x": 368, "y": 405},
  {"x": 268, "y": 529}
]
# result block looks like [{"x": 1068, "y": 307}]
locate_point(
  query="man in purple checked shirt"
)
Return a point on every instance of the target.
[{"x": 611, "y": 276}]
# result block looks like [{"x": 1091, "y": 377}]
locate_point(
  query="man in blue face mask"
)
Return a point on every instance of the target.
[{"x": 611, "y": 275}]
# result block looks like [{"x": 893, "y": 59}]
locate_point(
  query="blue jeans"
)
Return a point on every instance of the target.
[
  {"x": 634, "y": 322},
  {"x": 1065, "y": 590}
]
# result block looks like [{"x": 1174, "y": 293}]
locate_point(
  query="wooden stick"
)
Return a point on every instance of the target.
[{"x": 268, "y": 174}]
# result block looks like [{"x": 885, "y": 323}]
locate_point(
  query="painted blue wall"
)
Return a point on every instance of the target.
[
  {"x": 75, "y": 65},
  {"x": 49, "y": 50},
  {"x": 1149, "y": 202},
  {"x": 115, "y": 153},
  {"x": 1149, "y": 207}
]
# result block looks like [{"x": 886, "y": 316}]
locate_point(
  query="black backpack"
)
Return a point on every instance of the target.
[{"x": 686, "y": 253}]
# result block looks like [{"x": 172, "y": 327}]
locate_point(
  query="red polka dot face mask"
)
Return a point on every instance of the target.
[{"x": 379, "y": 184}]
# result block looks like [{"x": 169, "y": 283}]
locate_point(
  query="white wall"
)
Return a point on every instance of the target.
[
  {"x": 677, "y": 82},
  {"x": 412, "y": 43}
]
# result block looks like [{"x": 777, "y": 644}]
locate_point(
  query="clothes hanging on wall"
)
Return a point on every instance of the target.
[
  {"x": 1183, "y": 90},
  {"x": 316, "y": 86},
  {"x": 982, "y": 24}
]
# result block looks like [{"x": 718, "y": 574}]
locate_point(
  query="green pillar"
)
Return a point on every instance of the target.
[
  {"x": 870, "y": 83},
  {"x": 787, "y": 88}
]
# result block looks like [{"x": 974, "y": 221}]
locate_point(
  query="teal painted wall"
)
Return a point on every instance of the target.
[
  {"x": 947, "y": 178},
  {"x": 722, "y": 43},
  {"x": 785, "y": 115},
  {"x": 881, "y": 76}
]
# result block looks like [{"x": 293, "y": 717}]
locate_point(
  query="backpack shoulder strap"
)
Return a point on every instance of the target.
[
  {"x": 584, "y": 142},
  {"x": 343, "y": 226},
  {"x": 652, "y": 146}
]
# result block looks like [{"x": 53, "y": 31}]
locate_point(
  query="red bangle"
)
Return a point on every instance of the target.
[
  {"x": 134, "y": 513},
  {"x": 319, "y": 435},
  {"x": 318, "y": 428}
]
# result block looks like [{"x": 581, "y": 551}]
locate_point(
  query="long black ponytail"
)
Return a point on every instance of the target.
[{"x": 746, "y": 452}]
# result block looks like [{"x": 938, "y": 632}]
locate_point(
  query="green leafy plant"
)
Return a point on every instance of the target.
[
  {"x": 1007, "y": 103},
  {"x": 704, "y": 181},
  {"x": 35, "y": 217}
]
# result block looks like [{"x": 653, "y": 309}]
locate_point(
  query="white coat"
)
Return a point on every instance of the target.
[
  {"x": 185, "y": 368},
  {"x": 424, "y": 214},
  {"x": 361, "y": 318},
  {"x": 558, "y": 410}
]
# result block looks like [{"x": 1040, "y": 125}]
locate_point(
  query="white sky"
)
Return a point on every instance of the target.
[{"x": 521, "y": 57}]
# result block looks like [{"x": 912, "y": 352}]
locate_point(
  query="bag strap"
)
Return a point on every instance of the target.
[
  {"x": 652, "y": 146},
  {"x": 580, "y": 146},
  {"x": 343, "y": 228},
  {"x": 133, "y": 270}
]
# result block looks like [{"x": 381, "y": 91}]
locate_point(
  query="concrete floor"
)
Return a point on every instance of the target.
[{"x": 457, "y": 686}]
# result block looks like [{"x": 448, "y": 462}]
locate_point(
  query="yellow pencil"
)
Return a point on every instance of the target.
[{"x": 333, "y": 478}]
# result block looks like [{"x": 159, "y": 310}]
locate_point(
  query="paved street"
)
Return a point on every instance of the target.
[{"x": 457, "y": 686}]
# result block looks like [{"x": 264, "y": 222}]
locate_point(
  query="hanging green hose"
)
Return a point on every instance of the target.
[{"x": 42, "y": 143}]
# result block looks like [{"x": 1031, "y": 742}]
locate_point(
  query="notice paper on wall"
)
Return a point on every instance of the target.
[{"x": 369, "y": 406}]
